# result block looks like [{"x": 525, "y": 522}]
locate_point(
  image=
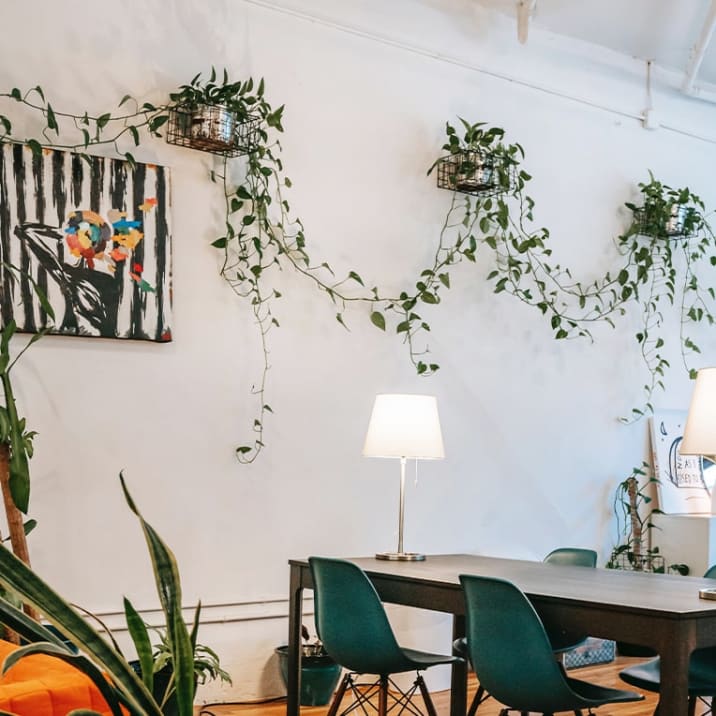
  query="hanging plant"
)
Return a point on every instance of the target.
[
  {"x": 478, "y": 164},
  {"x": 260, "y": 234},
  {"x": 666, "y": 247},
  {"x": 500, "y": 224}
]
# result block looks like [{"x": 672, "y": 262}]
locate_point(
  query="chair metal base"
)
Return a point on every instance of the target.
[
  {"x": 401, "y": 556},
  {"x": 389, "y": 696}
]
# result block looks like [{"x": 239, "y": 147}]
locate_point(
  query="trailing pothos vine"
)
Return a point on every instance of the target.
[
  {"x": 659, "y": 253},
  {"x": 260, "y": 234}
]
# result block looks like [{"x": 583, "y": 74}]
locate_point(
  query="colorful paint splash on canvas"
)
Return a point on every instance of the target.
[{"x": 94, "y": 236}]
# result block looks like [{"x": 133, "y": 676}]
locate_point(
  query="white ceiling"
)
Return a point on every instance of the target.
[{"x": 664, "y": 31}]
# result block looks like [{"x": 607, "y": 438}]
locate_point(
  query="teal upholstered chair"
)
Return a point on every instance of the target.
[
  {"x": 353, "y": 626},
  {"x": 513, "y": 658},
  {"x": 702, "y": 672},
  {"x": 560, "y": 639}
]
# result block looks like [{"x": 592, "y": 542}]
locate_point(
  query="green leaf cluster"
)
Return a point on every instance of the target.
[
  {"x": 659, "y": 254},
  {"x": 98, "y": 657}
]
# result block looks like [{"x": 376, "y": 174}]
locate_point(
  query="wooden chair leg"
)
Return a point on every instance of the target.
[
  {"x": 338, "y": 697},
  {"x": 480, "y": 696},
  {"x": 692, "y": 706},
  {"x": 429, "y": 706},
  {"x": 383, "y": 696}
]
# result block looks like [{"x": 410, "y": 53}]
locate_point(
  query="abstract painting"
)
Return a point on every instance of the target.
[
  {"x": 685, "y": 481},
  {"x": 93, "y": 235}
]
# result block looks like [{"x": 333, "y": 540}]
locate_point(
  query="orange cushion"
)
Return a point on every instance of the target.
[{"x": 40, "y": 685}]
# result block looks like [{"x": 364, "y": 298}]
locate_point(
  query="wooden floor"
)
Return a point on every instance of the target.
[{"x": 607, "y": 675}]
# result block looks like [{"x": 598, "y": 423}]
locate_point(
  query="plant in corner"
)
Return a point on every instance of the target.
[
  {"x": 633, "y": 513},
  {"x": 206, "y": 666},
  {"x": 319, "y": 672},
  {"x": 102, "y": 660},
  {"x": 16, "y": 441}
]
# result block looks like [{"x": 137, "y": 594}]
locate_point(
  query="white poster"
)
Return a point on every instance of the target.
[{"x": 684, "y": 482}]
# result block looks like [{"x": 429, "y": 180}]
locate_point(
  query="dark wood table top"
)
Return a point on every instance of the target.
[{"x": 639, "y": 591}]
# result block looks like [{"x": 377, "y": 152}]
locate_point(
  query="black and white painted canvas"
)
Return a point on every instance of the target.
[{"x": 95, "y": 237}]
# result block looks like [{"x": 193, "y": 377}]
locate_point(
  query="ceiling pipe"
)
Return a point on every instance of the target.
[
  {"x": 699, "y": 50},
  {"x": 525, "y": 10}
]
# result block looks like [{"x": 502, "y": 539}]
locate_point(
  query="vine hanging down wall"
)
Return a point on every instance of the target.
[
  {"x": 662, "y": 254},
  {"x": 260, "y": 234}
]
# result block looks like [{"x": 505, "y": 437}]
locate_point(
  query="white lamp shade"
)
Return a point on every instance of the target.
[
  {"x": 404, "y": 426},
  {"x": 700, "y": 431}
]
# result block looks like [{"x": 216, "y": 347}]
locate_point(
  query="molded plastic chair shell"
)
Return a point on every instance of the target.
[
  {"x": 353, "y": 626},
  {"x": 572, "y": 557},
  {"x": 512, "y": 655},
  {"x": 561, "y": 639}
]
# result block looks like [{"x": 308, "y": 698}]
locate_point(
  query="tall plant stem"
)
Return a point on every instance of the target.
[{"x": 15, "y": 525}]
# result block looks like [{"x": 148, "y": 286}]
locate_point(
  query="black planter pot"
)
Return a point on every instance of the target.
[
  {"x": 319, "y": 677},
  {"x": 161, "y": 682}
]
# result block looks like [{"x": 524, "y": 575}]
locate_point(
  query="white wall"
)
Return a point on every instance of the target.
[{"x": 533, "y": 445}]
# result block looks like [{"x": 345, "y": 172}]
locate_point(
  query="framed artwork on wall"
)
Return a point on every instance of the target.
[
  {"x": 685, "y": 482},
  {"x": 96, "y": 238}
]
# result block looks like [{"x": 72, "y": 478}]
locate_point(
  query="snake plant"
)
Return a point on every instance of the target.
[{"x": 99, "y": 657}]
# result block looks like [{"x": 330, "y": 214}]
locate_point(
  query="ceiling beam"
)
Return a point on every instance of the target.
[{"x": 699, "y": 50}]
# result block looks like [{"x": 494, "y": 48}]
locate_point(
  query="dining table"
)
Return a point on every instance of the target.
[{"x": 662, "y": 611}]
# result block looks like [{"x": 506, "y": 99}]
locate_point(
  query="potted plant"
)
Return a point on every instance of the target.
[
  {"x": 319, "y": 673},
  {"x": 479, "y": 163},
  {"x": 100, "y": 657},
  {"x": 217, "y": 116},
  {"x": 667, "y": 213},
  {"x": 632, "y": 508},
  {"x": 636, "y": 551},
  {"x": 206, "y": 668}
]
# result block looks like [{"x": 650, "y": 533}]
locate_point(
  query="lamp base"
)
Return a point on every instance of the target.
[{"x": 401, "y": 556}]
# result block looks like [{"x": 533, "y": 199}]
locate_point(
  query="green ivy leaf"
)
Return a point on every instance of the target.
[{"x": 378, "y": 320}]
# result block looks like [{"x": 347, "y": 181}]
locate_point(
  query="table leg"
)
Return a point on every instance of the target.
[
  {"x": 295, "y": 615},
  {"x": 458, "y": 681},
  {"x": 674, "y": 690}
]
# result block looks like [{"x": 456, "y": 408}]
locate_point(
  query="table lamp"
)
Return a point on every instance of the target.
[
  {"x": 700, "y": 431},
  {"x": 404, "y": 426}
]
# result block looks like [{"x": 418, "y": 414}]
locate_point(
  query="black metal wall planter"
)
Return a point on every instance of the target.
[
  {"x": 213, "y": 128},
  {"x": 477, "y": 172},
  {"x": 674, "y": 221}
]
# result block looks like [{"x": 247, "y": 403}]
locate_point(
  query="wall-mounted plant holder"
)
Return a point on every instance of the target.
[
  {"x": 476, "y": 172},
  {"x": 675, "y": 221},
  {"x": 212, "y": 128}
]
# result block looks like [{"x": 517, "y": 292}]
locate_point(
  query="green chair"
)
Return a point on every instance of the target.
[
  {"x": 353, "y": 626},
  {"x": 561, "y": 639},
  {"x": 702, "y": 672},
  {"x": 513, "y": 658}
]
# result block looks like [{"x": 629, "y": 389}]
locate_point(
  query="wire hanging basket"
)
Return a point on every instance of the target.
[
  {"x": 631, "y": 561},
  {"x": 680, "y": 222},
  {"x": 213, "y": 128},
  {"x": 476, "y": 172}
]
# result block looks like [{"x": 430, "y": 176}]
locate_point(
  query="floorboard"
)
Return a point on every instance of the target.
[{"x": 605, "y": 674}]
